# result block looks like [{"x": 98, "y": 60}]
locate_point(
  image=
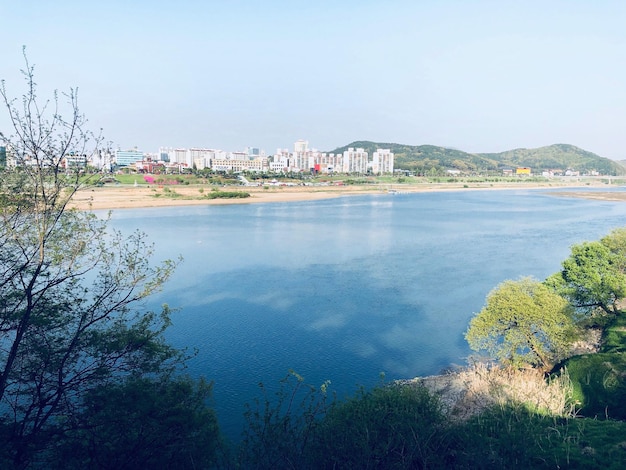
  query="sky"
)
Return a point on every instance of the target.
[{"x": 479, "y": 76}]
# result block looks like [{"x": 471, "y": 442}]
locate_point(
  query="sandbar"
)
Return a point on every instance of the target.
[{"x": 146, "y": 196}]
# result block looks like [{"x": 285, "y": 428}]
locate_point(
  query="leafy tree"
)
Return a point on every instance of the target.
[
  {"x": 523, "y": 322},
  {"x": 593, "y": 276},
  {"x": 616, "y": 243},
  {"x": 70, "y": 290},
  {"x": 143, "y": 423}
]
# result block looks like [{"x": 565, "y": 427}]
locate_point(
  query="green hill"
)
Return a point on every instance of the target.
[{"x": 430, "y": 158}]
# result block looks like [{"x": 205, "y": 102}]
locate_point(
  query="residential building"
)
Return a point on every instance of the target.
[
  {"x": 354, "y": 161},
  {"x": 382, "y": 162},
  {"x": 302, "y": 159},
  {"x": 301, "y": 155},
  {"x": 74, "y": 161}
]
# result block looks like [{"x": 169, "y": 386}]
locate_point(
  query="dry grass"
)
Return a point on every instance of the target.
[{"x": 478, "y": 387}]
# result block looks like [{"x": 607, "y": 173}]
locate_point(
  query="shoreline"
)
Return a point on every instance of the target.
[{"x": 151, "y": 196}]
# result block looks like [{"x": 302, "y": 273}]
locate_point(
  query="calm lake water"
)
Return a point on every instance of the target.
[{"x": 344, "y": 289}]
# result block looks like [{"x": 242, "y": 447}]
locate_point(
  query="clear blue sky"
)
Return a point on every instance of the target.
[{"x": 481, "y": 76}]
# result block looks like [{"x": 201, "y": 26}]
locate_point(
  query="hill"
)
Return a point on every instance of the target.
[{"x": 425, "y": 159}]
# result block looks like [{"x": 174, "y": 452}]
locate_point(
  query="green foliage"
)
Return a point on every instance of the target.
[
  {"x": 614, "y": 339},
  {"x": 72, "y": 330},
  {"x": 213, "y": 194},
  {"x": 512, "y": 437},
  {"x": 616, "y": 243},
  {"x": 599, "y": 382},
  {"x": 402, "y": 427},
  {"x": 558, "y": 156},
  {"x": 227, "y": 195},
  {"x": 592, "y": 277},
  {"x": 280, "y": 429},
  {"x": 161, "y": 423},
  {"x": 396, "y": 426},
  {"x": 523, "y": 323}
]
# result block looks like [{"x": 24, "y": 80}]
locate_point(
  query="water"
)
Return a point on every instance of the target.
[{"x": 343, "y": 289}]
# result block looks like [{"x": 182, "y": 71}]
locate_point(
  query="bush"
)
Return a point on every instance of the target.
[
  {"x": 279, "y": 426},
  {"x": 388, "y": 427},
  {"x": 513, "y": 437},
  {"x": 141, "y": 423},
  {"x": 599, "y": 384}
]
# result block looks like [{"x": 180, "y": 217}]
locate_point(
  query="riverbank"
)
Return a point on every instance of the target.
[{"x": 145, "y": 196}]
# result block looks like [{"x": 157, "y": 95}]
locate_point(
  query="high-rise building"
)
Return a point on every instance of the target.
[
  {"x": 355, "y": 161},
  {"x": 382, "y": 161},
  {"x": 300, "y": 155}
]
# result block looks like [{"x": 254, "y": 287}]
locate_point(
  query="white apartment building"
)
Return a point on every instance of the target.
[
  {"x": 301, "y": 155},
  {"x": 302, "y": 159},
  {"x": 382, "y": 162},
  {"x": 101, "y": 159},
  {"x": 330, "y": 162},
  {"x": 354, "y": 161},
  {"x": 199, "y": 157}
]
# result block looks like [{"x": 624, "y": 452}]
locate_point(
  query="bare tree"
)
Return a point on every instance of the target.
[{"x": 71, "y": 290}]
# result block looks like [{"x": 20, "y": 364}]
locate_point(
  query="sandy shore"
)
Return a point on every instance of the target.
[{"x": 142, "y": 196}]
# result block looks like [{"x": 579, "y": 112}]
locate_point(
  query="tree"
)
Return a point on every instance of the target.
[
  {"x": 70, "y": 289},
  {"x": 143, "y": 423},
  {"x": 593, "y": 275},
  {"x": 616, "y": 243},
  {"x": 523, "y": 323}
]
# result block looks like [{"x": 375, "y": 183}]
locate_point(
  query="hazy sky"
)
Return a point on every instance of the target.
[{"x": 481, "y": 76}]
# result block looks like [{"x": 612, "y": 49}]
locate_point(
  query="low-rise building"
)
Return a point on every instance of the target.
[{"x": 128, "y": 157}]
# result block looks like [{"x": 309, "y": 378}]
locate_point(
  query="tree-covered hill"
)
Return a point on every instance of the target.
[{"x": 428, "y": 158}]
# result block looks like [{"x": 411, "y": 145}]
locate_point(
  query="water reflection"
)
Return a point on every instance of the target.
[{"x": 343, "y": 289}]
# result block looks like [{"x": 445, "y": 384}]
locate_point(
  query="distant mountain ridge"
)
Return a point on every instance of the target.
[{"x": 429, "y": 158}]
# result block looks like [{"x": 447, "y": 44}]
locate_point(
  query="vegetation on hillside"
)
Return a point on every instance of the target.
[{"x": 430, "y": 160}]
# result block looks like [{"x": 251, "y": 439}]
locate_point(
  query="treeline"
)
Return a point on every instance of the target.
[{"x": 432, "y": 160}]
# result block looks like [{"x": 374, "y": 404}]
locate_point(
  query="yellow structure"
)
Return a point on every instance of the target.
[{"x": 524, "y": 170}]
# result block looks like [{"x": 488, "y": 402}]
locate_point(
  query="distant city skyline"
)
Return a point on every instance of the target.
[{"x": 484, "y": 76}]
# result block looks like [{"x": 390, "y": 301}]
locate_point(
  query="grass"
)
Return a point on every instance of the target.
[
  {"x": 508, "y": 386},
  {"x": 170, "y": 193},
  {"x": 512, "y": 437},
  {"x": 599, "y": 379}
]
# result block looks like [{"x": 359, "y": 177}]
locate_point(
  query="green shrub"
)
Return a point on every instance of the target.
[
  {"x": 513, "y": 437},
  {"x": 142, "y": 423},
  {"x": 599, "y": 382},
  {"x": 280, "y": 425},
  {"x": 216, "y": 194},
  {"x": 387, "y": 427}
]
